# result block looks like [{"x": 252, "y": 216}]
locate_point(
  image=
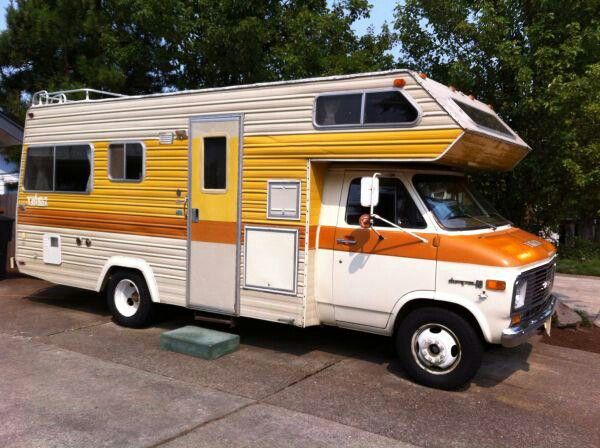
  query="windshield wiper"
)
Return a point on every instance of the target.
[{"x": 466, "y": 215}]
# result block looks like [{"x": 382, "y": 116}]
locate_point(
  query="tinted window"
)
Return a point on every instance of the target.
[
  {"x": 484, "y": 119},
  {"x": 395, "y": 205},
  {"x": 215, "y": 163},
  {"x": 73, "y": 168},
  {"x": 126, "y": 161},
  {"x": 338, "y": 109},
  {"x": 39, "y": 169},
  {"x": 134, "y": 161},
  {"x": 389, "y": 107},
  {"x": 60, "y": 168}
]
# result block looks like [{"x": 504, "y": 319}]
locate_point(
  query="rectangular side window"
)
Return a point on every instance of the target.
[
  {"x": 126, "y": 162},
  {"x": 215, "y": 163},
  {"x": 39, "y": 169},
  {"x": 283, "y": 199},
  {"x": 64, "y": 168}
]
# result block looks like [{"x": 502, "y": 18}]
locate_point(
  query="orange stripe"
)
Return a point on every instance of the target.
[
  {"x": 105, "y": 222},
  {"x": 312, "y": 237},
  {"x": 215, "y": 232},
  {"x": 396, "y": 244},
  {"x": 503, "y": 248}
]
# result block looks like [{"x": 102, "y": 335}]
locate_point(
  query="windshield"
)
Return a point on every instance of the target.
[{"x": 454, "y": 204}]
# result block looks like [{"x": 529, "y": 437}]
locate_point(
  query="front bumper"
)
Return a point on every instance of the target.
[{"x": 513, "y": 336}]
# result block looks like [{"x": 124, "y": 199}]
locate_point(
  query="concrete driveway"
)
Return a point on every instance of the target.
[
  {"x": 579, "y": 292},
  {"x": 69, "y": 377}
]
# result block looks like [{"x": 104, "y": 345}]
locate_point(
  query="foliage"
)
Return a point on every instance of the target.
[
  {"x": 577, "y": 267},
  {"x": 537, "y": 62},
  {"x": 579, "y": 249},
  {"x": 139, "y": 46},
  {"x": 579, "y": 256}
]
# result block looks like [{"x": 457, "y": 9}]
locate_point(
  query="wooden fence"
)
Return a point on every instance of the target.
[{"x": 8, "y": 207}]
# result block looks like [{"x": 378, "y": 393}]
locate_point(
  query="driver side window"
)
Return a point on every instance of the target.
[{"x": 395, "y": 205}]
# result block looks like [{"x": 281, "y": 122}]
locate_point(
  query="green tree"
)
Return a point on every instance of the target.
[
  {"x": 240, "y": 42},
  {"x": 536, "y": 62},
  {"x": 140, "y": 46},
  {"x": 143, "y": 46}
]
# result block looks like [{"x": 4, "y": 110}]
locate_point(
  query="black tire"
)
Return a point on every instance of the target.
[
  {"x": 432, "y": 324},
  {"x": 142, "y": 309}
]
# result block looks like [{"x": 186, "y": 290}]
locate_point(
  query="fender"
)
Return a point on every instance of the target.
[
  {"x": 441, "y": 297},
  {"x": 131, "y": 263}
]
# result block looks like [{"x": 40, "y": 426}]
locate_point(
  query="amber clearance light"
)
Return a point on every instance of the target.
[
  {"x": 495, "y": 285},
  {"x": 399, "y": 83}
]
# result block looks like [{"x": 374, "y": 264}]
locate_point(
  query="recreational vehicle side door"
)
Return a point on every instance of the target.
[
  {"x": 370, "y": 274},
  {"x": 213, "y": 215}
]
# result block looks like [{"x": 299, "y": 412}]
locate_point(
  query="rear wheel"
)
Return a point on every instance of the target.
[
  {"x": 438, "y": 348},
  {"x": 129, "y": 299}
]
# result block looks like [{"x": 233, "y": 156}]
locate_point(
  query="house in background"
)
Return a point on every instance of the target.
[{"x": 11, "y": 134}]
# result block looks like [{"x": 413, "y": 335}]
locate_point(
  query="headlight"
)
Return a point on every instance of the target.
[{"x": 520, "y": 291}]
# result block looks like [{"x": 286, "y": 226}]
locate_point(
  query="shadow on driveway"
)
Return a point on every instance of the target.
[{"x": 498, "y": 364}]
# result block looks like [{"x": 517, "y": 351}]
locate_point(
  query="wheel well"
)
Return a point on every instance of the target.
[
  {"x": 112, "y": 270},
  {"x": 422, "y": 303}
]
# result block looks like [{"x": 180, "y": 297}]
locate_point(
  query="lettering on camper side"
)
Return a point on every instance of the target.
[{"x": 37, "y": 201}]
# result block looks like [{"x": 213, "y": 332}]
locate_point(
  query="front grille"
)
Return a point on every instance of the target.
[{"x": 539, "y": 287}]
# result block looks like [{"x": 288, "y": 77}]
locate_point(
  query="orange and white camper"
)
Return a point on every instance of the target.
[{"x": 336, "y": 201}]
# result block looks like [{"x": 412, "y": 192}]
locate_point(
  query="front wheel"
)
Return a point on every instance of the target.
[
  {"x": 438, "y": 348},
  {"x": 129, "y": 299}
]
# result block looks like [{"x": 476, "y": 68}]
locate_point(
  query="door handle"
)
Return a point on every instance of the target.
[
  {"x": 184, "y": 202},
  {"x": 346, "y": 241}
]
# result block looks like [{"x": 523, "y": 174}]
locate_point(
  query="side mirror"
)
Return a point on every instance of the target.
[{"x": 369, "y": 191}]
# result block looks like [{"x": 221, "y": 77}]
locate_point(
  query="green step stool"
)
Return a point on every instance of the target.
[{"x": 200, "y": 342}]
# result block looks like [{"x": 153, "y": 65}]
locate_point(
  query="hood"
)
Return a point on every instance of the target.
[{"x": 506, "y": 248}]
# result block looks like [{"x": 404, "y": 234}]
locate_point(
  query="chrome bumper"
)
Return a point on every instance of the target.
[{"x": 513, "y": 336}]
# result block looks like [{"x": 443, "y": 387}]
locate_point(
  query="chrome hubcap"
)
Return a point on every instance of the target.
[{"x": 436, "y": 349}]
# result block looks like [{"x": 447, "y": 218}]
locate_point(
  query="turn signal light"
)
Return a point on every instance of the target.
[
  {"x": 399, "y": 83},
  {"x": 515, "y": 320},
  {"x": 495, "y": 285}
]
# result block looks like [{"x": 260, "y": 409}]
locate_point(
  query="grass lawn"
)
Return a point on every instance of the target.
[{"x": 580, "y": 267}]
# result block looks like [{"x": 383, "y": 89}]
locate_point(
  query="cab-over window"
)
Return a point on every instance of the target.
[
  {"x": 383, "y": 107},
  {"x": 395, "y": 205}
]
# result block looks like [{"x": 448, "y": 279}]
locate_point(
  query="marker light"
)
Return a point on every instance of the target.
[
  {"x": 496, "y": 285},
  {"x": 515, "y": 320},
  {"x": 422, "y": 75},
  {"x": 520, "y": 291},
  {"x": 399, "y": 83}
]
